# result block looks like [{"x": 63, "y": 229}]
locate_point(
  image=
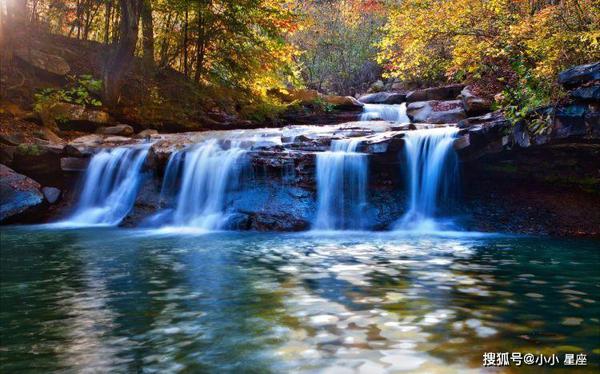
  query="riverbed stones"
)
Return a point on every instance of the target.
[{"x": 18, "y": 193}]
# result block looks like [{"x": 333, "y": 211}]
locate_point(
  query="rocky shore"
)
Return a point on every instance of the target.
[{"x": 513, "y": 179}]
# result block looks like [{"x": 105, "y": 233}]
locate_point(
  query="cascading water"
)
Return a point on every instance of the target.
[
  {"x": 110, "y": 187},
  {"x": 393, "y": 113},
  {"x": 341, "y": 187},
  {"x": 432, "y": 173},
  {"x": 208, "y": 171}
]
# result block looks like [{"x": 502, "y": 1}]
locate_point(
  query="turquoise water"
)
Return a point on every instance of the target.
[{"x": 115, "y": 300}]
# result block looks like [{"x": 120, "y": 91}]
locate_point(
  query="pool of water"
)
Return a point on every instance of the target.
[{"x": 115, "y": 300}]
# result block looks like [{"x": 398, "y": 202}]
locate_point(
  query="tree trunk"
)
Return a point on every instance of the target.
[
  {"x": 147, "y": 33},
  {"x": 200, "y": 46},
  {"x": 107, "y": 14},
  {"x": 122, "y": 56},
  {"x": 185, "y": 42},
  {"x": 164, "y": 47}
]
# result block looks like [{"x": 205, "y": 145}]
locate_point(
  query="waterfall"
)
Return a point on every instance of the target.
[
  {"x": 341, "y": 187},
  {"x": 110, "y": 186},
  {"x": 209, "y": 171},
  {"x": 393, "y": 113},
  {"x": 432, "y": 172}
]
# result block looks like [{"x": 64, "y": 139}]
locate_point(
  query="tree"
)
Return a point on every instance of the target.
[
  {"x": 123, "y": 53},
  {"x": 147, "y": 33}
]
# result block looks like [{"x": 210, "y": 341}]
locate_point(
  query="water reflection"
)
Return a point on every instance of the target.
[{"x": 134, "y": 300}]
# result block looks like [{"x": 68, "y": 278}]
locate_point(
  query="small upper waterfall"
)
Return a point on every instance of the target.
[
  {"x": 432, "y": 171},
  {"x": 341, "y": 187},
  {"x": 111, "y": 183},
  {"x": 393, "y": 113},
  {"x": 209, "y": 170}
]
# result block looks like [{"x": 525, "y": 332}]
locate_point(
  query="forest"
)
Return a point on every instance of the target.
[
  {"x": 254, "y": 52},
  {"x": 303, "y": 186}
]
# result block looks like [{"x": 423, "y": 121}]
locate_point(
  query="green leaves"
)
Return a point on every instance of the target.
[{"x": 81, "y": 90}]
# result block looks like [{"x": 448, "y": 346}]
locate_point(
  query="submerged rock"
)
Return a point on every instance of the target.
[{"x": 18, "y": 193}]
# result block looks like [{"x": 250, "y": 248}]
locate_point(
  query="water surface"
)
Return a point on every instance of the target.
[{"x": 115, "y": 300}]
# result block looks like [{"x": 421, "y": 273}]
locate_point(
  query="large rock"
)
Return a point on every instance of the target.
[
  {"x": 474, "y": 105},
  {"x": 481, "y": 135},
  {"x": 449, "y": 92},
  {"x": 435, "y": 111},
  {"x": 51, "y": 194},
  {"x": 383, "y": 98},
  {"x": 67, "y": 116},
  {"x": 343, "y": 102},
  {"x": 377, "y": 86},
  {"x": 75, "y": 164},
  {"x": 121, "y": 130},
  {"x": 590, "y": 93},
  {"x": 579, "y": 75},
  {"x": 569, "y": 122},
  {"x": 18, "y": 193},
  {"x": 41, "y": 162},
  {"x": 305, "y": 96},
  {"x": 43, "y": 61},
  {"x": 145, "y": 134}
]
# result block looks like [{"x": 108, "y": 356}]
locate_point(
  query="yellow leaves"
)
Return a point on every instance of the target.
[{"x": 429, "y": 38}]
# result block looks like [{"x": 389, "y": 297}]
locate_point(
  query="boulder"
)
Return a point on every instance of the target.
[
  {"x": 590, "y": 93},
  {"x": 579, "y": 75},
  {"x": 44, "y": 61},
  {"x": 435, "y": 111},
  {"x": 449, "y": 92},
  {"x": 51, "y": 194},
  {"x": 474, "y": 106},
  {"x": 146, "y": 133},
  {"x": 67, "y": 116},
  {"x": 121, "y": 130},
  {"x": 383, "y": 98},
  {"x": 18, "y": 193},
  {"x": 343, "y": 102},
  {"x": 569, "y": 122},
  {"x": 41, "y": 162},
  {"x": 74, "y": 164},
  {"x": 303, "y": 95},
  {"x": 378, "y": 86},
  {"x": 7, "y": 154}
]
